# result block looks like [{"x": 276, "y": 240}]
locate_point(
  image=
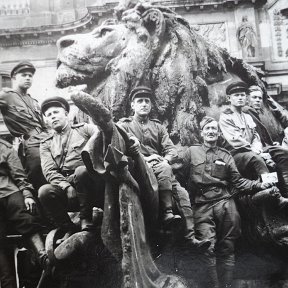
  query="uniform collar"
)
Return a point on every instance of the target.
[
  {"x": 206, "y": 148},
  {"x": 140, "y": 120},
  {"x": 65, "y": 130}
]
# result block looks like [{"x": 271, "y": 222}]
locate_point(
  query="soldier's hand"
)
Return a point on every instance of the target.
[
  {"x": 270, "y": 163},
  {"x": 267, "y": 185},
  {"x": 30, "y": 205}
]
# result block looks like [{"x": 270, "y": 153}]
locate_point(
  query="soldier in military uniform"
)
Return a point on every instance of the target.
[
  {"x": 17, "y": 207},
  {"x": 211, "y": 170},
  {"x": 64, "y": 169},
  {"x": 159, "y": 152},
  {"x": 240, "y": 132},
  {"x": 22, "y": 116},
  {"x": 279, "y": 154}
]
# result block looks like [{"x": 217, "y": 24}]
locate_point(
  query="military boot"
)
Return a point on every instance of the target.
[
  {"x": 212, "y": 278},
  {"x": 166, "y": 213},
  {"x": 226, "y": 275},
  {"x": 190, "y": 240},
  {"x": 36, "y": 243},
  {"x": 7, "y": 271}
]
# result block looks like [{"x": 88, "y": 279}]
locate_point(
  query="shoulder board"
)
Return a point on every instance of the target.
[
  {"x": 227, "y": 110},
  {"x": 125, "y": 119},
  {"x": 7, "y": 144},
  {"x": 78, "y": 125},
  {"x": 7, "y": 89},
  {"x": 156, "y": 120},
  {"x": 47, "y": 138}
]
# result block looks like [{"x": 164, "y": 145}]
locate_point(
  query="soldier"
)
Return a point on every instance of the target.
[
  {"x": 17, "y": 207},
  {"x": 64, "y": 169},
  {"x": 279, "y": 155},
  {"x": 239, "y": 130},
  {"x": 211, "y": 172},
  {"x": 159, "y": 152},
  {"x": 22, "y": 116}
]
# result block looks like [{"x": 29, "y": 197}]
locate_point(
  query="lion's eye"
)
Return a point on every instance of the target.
[
  {"x": 101, "y": 32},
  {"x": 104, "y": 31}
]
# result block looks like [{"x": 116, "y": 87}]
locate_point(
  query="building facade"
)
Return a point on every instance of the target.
[{"x": 255, "y": 30}]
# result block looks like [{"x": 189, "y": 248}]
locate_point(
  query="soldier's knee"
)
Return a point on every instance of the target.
[
  {"x": 44, "y": 192},
  {"x": 81, "y": 174}
]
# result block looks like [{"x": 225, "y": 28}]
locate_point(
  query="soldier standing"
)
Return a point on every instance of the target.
[
  {"x": 212, "y": 171},
  {"x": 22, "y": 116},
  {"x": 64, "y": 169},
  {"x": 16, "y": 208}
]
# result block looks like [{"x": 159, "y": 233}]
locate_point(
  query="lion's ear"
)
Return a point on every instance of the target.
[{"x": 154, "y": 21}]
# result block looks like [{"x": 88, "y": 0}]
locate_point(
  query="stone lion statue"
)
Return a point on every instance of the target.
[{"x": 188, "y": 74}]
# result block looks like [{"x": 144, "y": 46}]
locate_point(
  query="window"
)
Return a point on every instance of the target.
[{"x": 5, "y": 80}]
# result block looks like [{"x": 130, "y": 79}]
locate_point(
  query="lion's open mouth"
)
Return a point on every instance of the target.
[{"x": 67, "y": 76}]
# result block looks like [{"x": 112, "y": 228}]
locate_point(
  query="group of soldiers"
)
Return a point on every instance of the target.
[{"x": 54, "y": 179}]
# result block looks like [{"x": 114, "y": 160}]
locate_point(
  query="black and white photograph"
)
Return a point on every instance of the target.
[{"x": 143, "y": 144}]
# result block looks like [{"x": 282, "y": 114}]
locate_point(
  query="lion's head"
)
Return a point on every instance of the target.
[{"x": 152, "y": 45}]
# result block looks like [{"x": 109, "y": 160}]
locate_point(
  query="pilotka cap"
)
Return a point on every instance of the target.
[
  {"x": 236, "y": 87},
  {"x": 206, "y": 120},
  {"x": 24, "y": 65},
  {"x": 140, "y": 90},
  {"x": 55, "y": 101}
]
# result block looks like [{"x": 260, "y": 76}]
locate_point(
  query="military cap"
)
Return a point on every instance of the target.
[
  {"x": 236, "y": 87},
  {"x": 55, "y": 101},
  {"x": 139, "y": 91},
  {"x": 206, "y": 120},
  {"x": 24, "y": 65}
]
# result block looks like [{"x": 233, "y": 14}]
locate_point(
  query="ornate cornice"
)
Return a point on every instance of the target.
[
  {"x": 43, "y": 35},
  {"x": 107, "y": 8}
]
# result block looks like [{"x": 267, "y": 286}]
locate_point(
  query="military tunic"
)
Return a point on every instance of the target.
[
  {"x": 61, "y": 152},
  {"x": 212, "y": 173},
  {"x": 21, "y": 113},
  {"x": 14, "y": 188},
  {"x": 239, "y": 130},
  {"x": 22, "y": 116},
  {"x": 63, "y": 167},
  {"x": 153, "y": 137}
]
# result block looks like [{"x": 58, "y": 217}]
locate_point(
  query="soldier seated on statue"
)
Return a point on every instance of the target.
[
  {"x": 275, "y": 156},
  {"x": 159, "y": 151},
  {"x": 62, "y": 165},
  {"x": 240, "y": 132},
  {"x": 211, "y": 173},
  {"x": 17, "y": 209}
]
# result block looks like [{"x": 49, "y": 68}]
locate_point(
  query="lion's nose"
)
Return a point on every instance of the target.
[{"x": 65, "y": 42}]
